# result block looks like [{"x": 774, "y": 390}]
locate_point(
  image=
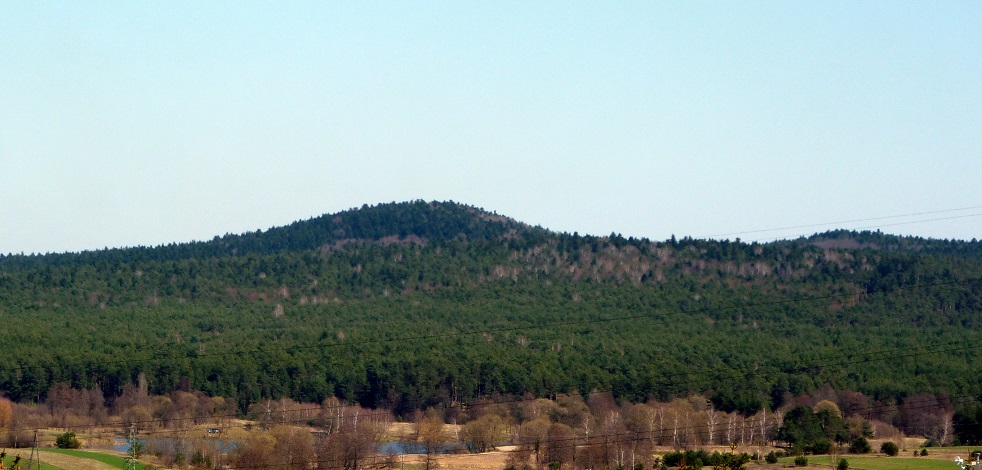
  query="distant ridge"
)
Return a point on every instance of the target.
[
  {"x": 433, "y": 221},
  {"x": 420, "y": 220},
  {"x": 416, "y": 304}
]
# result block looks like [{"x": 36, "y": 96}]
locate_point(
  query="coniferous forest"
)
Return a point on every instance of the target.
[{"x": 412, "y": 305}]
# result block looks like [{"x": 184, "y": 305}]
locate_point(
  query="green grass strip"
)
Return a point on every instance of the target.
[
  {"x": 115, "y": 461},
  {"x": 879, "y": 463},
  {"x": 9, "y": 460}
]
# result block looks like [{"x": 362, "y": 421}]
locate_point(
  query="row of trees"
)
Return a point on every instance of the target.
[
  {"x": 695, "y": 421},
  {"x": 569, "y": 430}
]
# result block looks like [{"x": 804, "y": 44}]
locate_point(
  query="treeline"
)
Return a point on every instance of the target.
[
  {"x": 417, "y": 351},
  {"x": 414, "y": 305},
  {"x": 570, "y": 431}
]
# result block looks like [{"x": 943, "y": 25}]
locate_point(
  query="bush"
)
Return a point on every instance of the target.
[
  {"x": 821, "y": 446},
  {"x": 694, "y": 458},
  {"x": 67, "y": 441},
  {"x": 200, "y": 459},
  {"x": 860, "y": 446},
  {"x": 890, "y": 449},
  {"x": 923, "y": 452},
  {"x": 843, "y": 465},
  {"x": 137, "y": 449},
  {"x": 771, "y": 457},
  {"x": 801, "y": 461}
]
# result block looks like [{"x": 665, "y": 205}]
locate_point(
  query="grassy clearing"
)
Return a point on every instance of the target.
[
  {"x": 112, "y": 460},
  {"x": 9, "y": 460},
  {"x": 857, "y": 462}
]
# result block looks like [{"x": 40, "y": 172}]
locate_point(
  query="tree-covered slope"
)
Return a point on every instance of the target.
[{"x": 413, "y": 304}]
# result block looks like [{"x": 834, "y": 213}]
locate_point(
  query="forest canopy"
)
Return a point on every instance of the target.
[{"x": 412, "y": 305}]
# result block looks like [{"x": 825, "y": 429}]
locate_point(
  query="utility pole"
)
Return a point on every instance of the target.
[
  {"x": 131, "y": 453},
  {"x": 34, "y": 450}
]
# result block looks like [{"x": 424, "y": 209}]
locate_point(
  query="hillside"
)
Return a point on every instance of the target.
[{"x": 414, "y": 304}]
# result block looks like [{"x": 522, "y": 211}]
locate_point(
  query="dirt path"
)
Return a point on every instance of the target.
[{"x": 73, "y": 463}]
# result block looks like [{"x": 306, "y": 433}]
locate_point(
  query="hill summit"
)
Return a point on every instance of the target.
[{"x": 416, "y": 304}]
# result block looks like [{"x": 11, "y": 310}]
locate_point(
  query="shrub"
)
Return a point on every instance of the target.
[
  {"x": 821, "y": 446},
  {"x": 771, "y": 457},
  {"x": 890, "y": 449},
  {"x": 801, "y": 461},
  {"x": 860, "y": 446},
  {"x": 843, "y": 465},
  {"x": 694, "y": 458},
  {"x": 67, "y": 441},
  {"x": 923, "y": 452},
  {"x": 137, "y": 449}
]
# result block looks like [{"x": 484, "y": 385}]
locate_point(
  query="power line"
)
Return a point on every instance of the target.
[
  {"x": 866, "y": 219},
  {"x": 882, "y": 225}
]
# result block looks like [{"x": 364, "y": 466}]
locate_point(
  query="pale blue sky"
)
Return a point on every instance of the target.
[{"x": 140, "y": 123}]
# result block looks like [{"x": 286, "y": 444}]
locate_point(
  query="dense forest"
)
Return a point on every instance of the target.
[{"x": 412, "y": 305}]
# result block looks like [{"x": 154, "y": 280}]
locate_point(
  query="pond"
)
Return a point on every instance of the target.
[
  {"x": 224, "y": 445},
  {"x": 410, "y": 448}
]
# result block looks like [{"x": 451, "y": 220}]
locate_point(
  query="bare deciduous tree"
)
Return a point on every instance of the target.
[
  {"x": 482, "y": 434},
  {"x": 350, "y": 446},
  {"x": 560, "y": 445},
  {"x": 532, "y": 435},
  {"x": 712, "y": 419},
  {"x": 430, "y": 434},
  {"x": 731, "y": 419}
]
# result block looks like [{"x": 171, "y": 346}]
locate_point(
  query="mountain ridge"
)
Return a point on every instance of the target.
[
  {"x": 417, "y": 220},
  {"x": 450, "y": 244},
  {"x": 551, "y": 304}
]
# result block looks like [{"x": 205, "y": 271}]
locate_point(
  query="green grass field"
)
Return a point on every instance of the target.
[
  {"x": 880, "y": 463},
  {"x": 115, "y": 461},
  {"x": 9, "y": 460}
]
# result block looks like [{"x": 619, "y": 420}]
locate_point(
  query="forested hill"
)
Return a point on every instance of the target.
[
  {"x": 408, "y": 247},
  {"x": 325, "y": 306},
  {"x": 434, "y": 221}
]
